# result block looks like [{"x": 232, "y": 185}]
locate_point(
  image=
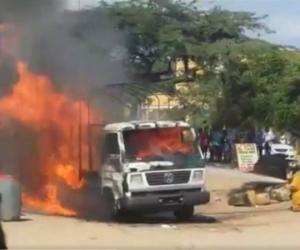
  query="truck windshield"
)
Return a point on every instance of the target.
[{"x": 160, "y": 144}]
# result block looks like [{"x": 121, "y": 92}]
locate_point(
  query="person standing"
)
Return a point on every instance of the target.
[
  {"x": 232, "y": 135},
  {"x": 224, "y": 145},
  {"x": 294, "y": 187},
  {"x": 3, "y": 244},
  {"x": 259, "y": 141},
  {"x": 213, "y": 144},
  {"x": 251, "y": 136},
  {"x": 199, "y": 132},
  {"x": 204, "y": 142},
  {"x": 268, "y": 138}
]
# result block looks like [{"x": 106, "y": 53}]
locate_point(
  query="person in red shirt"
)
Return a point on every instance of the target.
[{"x": 204, "y": 141}]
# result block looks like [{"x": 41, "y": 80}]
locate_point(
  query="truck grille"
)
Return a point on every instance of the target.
[
  {"x": 281, "y": 150},
  {"x": 168, "y": 178}
]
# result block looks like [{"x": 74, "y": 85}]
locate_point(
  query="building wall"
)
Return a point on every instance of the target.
[{"x": 159, "y": 102}]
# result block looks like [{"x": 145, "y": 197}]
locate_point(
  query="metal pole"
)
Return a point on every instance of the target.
[
  {"x": 79, "y": 127},
  {"x": 158, "y": 106},
  {"x": 147, "y": 110},
  {"x": 79, "y": 144},
  {"x": 138, "y": 111},
  {"x": 90, "y": 153}
]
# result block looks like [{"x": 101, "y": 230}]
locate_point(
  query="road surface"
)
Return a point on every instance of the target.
[{"x": 216, "y": 225}]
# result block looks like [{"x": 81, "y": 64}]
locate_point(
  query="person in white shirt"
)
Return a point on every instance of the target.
[{"x": 268, "y": 138}]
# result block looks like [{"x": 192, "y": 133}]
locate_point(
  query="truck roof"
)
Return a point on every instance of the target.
[{"x": 130, "y": 125}]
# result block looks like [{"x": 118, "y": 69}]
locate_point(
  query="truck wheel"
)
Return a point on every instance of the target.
[
  {"x": 184, "y": 213},
  {"x": 110, "y": 211}
]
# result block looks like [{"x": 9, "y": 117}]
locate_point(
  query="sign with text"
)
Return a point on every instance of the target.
[{"x": 247, "y": 156}]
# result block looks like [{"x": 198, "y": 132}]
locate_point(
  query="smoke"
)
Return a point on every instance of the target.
[
  {"x": 79, "y": 50},
  {"x": 27, "y": 11}
]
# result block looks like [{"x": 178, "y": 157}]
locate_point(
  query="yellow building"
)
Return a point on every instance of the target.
[{"x": 158, "y": 103}]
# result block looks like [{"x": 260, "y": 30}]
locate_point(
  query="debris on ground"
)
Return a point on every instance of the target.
[
  {"x": 165, "y": 226},
  {"x": 217, "y": 199},
  {"x": 258, "y": 194}
]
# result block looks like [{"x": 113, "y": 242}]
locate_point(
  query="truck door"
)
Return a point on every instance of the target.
[
  {"x": 111, "y": 154},
  {"x": 111, "y": 166}
]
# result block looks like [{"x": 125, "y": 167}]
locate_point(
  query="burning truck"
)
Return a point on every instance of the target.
[
  {"x": 140, "y": 167},
  {"x": 152, "y": 166},
  {"x": 137, "y": 167}
]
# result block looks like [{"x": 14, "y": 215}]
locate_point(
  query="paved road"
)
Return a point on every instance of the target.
[
  {"x": 56, "y": 232},
  {"x": 218, "y": 226}
]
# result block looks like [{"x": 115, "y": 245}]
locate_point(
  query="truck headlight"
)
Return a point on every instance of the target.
[
  {"x": 197, "y": 176},
  {"x": 136, "y": 180}
]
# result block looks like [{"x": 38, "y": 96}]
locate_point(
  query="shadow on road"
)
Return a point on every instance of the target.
[
  {"x": 166, "y": 218},
  {"x": 88, "y": 205},
  {"x": 95, "y": 215},
  {"x": 20, "y": 220}
]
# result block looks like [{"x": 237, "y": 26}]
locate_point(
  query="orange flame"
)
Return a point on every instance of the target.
[
  {"x": 146, "y": 143},
  {"x": 54, "y": 119},
  {"x": 50, "y": 205},
  {"x": 51, "y": 115}
]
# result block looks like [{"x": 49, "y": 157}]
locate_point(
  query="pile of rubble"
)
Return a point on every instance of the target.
[{"x": 258, "y": 194}]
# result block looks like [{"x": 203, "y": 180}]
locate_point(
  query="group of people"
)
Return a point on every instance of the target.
[
  {"x": 263, "y": 140},
  {"x": 217, "y": 145}
]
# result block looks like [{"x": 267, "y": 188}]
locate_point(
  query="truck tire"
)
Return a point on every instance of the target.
[
  {"x": 184, "y": 213},
  {"x": 110, "y": 211}
]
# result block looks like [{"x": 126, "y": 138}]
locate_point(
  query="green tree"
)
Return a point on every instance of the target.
[
  {"x": 155, "y": 32},
  {"x": 263, "y": 90},
  {"x": 286, "y": 98}
]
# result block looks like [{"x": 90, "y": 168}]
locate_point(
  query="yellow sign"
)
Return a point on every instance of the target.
[{"x": 247, "y": 156}]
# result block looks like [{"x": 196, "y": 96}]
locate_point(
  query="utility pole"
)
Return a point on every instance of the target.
[{"x": 88, "y": 125}]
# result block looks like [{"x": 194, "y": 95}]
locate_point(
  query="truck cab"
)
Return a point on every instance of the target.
[{"x": 151, "y": 167}]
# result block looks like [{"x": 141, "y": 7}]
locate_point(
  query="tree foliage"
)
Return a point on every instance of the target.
[{"x": 238, "y": 81}]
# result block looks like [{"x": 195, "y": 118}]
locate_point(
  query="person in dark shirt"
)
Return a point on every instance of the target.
[
  {"x": 225, "y": 146},
  {"x": 259, "y": 141},
  {"x": 224, "y": 136},
  {"x": 2, "y": 238},
  {"x": 216, "y": 145},
  {"x": 251, "y": 136},
  {"x": 2, "y": 234}
]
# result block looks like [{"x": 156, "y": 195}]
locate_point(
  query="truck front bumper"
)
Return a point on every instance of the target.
[{"x": 164, "y": 200}]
